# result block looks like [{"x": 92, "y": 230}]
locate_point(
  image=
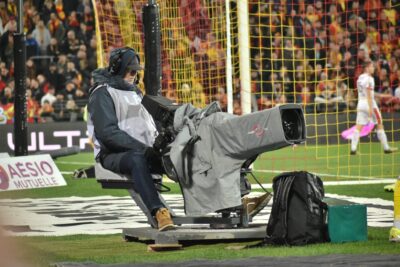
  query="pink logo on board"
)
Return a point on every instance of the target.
[{"x": 4, "y": 179}]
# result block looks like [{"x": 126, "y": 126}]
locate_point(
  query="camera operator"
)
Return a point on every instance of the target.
[{"x": 123, "y": 131}]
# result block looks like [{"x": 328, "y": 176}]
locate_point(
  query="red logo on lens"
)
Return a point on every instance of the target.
[
  {"x": 4, "y": 180},
  {"x": 258, "y": 130}
]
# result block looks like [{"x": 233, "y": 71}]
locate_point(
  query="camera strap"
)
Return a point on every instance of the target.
[{"x": 187, "y": 152}]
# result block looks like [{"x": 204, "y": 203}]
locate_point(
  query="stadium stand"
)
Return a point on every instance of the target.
[
  {"x": 61, "y": 54},
  {"x": 318, "y": 48},
  {"x": 303, "y": 51}
]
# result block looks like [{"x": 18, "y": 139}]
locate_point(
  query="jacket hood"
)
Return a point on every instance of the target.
[{"x": 102, "y": 76}]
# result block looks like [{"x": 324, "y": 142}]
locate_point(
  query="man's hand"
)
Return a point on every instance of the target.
[{"x": 163, "y": 139}]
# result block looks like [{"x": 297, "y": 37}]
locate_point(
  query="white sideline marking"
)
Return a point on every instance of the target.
[
  {"x": 269, "y": 185},
  {"x": 262, "y": 171},
  {"x": 67, "y": 172},
  {"x": 325, "y": 174},
  {"x": 382, "y": 181}
]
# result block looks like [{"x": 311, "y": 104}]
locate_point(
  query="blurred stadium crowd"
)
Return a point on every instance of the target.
[
  {"x": 318, "y": 48},
  {"x": 303, "y": 51},
  {"x": 61, "y": 54}
]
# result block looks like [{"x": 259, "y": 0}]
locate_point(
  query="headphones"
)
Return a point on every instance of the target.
[{"x": 116, "y": 58}]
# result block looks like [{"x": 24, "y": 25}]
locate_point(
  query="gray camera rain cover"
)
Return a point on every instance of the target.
[{"x": 210, "y": 148}]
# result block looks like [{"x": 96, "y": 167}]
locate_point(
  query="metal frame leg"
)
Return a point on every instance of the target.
[{"x": 138, "y": 200}]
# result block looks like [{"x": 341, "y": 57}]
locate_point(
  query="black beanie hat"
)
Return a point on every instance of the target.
[{"x": 122, "y": 60}]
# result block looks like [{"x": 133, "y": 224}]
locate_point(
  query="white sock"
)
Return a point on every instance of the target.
[
  {"x": 354, "y": 140},
  {"x": 382, "y": 137},
  {"x": 396, "y": 224}
]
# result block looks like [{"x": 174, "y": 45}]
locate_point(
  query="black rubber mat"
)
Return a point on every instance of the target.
[{"x": 327, "y": 260}]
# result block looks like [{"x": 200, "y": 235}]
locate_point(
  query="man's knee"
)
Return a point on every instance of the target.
[{"x": 133, "y": 159}]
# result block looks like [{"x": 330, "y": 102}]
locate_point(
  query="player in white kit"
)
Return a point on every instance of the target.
[{"x": 368, "y": 110}]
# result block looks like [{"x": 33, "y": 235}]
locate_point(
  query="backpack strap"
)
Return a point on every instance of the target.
[
  {"x": 282, "y": 187},
  {"x": 287, "y": 186}
]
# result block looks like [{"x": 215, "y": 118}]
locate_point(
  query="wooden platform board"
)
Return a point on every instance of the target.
[{"x": 195, "y": 233}]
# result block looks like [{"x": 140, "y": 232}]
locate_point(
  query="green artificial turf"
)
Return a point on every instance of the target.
[
  {"x": 267, "y": 166},
  {"x": 331, "y": 163},
  {"x": 42, "y": 251}
]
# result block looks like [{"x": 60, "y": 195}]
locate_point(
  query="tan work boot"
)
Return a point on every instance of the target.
[
  {"x": 164, "y": 220},
  {"x": 253, "y": 205}
]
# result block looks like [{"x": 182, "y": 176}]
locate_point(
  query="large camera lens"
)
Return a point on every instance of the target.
[{"x": 292, "y": 123}]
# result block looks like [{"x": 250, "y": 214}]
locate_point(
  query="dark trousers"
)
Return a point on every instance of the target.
[{"x": 139, "y": 167}]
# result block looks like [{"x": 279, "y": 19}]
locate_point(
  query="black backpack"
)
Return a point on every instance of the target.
[{"x": 298, "y": 215}]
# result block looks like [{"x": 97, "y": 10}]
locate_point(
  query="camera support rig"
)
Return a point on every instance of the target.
[{"x": 287, "y": 123}]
